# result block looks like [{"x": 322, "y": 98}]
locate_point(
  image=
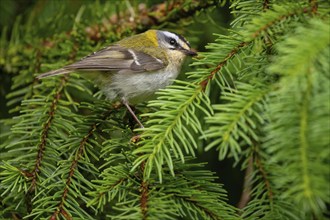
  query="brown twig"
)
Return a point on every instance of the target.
[
  {"x": 246, "y": 193},
  {"x": 144, "y": 199},
  {"x": 264, "y": 175},
  {"x": 144, "y": 188}
]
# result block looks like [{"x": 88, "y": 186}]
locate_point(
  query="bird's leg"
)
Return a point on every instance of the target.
[{"x": 125, "y": 102}]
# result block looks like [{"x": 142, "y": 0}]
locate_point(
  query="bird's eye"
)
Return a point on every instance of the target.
[{"x": 172, "y": 41}]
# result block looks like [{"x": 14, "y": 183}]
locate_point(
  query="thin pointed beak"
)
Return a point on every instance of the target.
[{"x": 188, "y": 52}]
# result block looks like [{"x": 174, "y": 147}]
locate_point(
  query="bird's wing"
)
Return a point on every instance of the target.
[{"x": 114, "y": 58}]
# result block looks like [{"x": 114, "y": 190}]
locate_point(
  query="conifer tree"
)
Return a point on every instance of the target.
[{"x": 258, "y": 95}]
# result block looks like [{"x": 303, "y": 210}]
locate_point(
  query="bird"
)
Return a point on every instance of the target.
[{"x": 134, "y": 68}]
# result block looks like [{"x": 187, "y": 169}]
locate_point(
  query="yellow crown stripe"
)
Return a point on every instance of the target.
[
  {"x": 152, "y": 36},
  {"x": 146, "y": 39}
]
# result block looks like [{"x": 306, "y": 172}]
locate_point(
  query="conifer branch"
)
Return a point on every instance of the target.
[
  {"x": 207, "y": 211},
  {"x": 277, "y": 20},
  {"x": 44, "y": 134},
  {"x": 151, "y": 151},
  {"x": 230, "y": 55},
  {"x": 74, "y": 166},
  {"x": 47, "y": 125},
  {"x": 295, "y": 137},
  {"x": 237, "y": 119},
  {"x": 110, "y": 188},
  {"x": 261, "y": 169}
]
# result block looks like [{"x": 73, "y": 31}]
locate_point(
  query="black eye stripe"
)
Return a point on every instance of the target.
[
  {"x": 183, "y": 39},
  {"x": 173, "y": 40}
]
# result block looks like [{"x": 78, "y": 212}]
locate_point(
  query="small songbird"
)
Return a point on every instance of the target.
[{"x": 134, "y": 68}]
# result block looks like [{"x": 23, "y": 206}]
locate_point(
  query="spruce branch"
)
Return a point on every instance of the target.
[
  {"x": 210, "y": 214},
  {"x": 209, "y": 205},
  {"x": 281, "y": 14},
  {"x": 48, "y": 123},
  {"x": 155, "y": 151},
  {"x": 44, "y": 135},
  {"x": 303, "y": 86},
  {"x": 229, "y": 56},
  {"x": 261, "y": 169},
  {"x": 261, "y": 201},
  {"x": 173, "y": 197},
  {"x": 245, "y": 11},
  {"x": 74, "y": 166},
  {"x": 237, "y": 121}
]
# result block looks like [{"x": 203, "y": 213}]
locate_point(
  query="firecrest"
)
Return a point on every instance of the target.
[{"x": 134, "y": 68}]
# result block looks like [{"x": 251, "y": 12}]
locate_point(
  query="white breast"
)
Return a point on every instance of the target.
[{"x": 139, "y": 87}]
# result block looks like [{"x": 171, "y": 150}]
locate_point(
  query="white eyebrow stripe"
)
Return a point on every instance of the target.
[
  {"x": 170, "y": 35},
  {"x": 134, "y": 57}
]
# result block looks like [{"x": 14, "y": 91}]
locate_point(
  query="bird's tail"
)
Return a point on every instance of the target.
[{"x": 54, "y": 73}]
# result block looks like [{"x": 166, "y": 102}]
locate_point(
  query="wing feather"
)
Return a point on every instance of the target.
[{"x": 113, "y": 59}]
